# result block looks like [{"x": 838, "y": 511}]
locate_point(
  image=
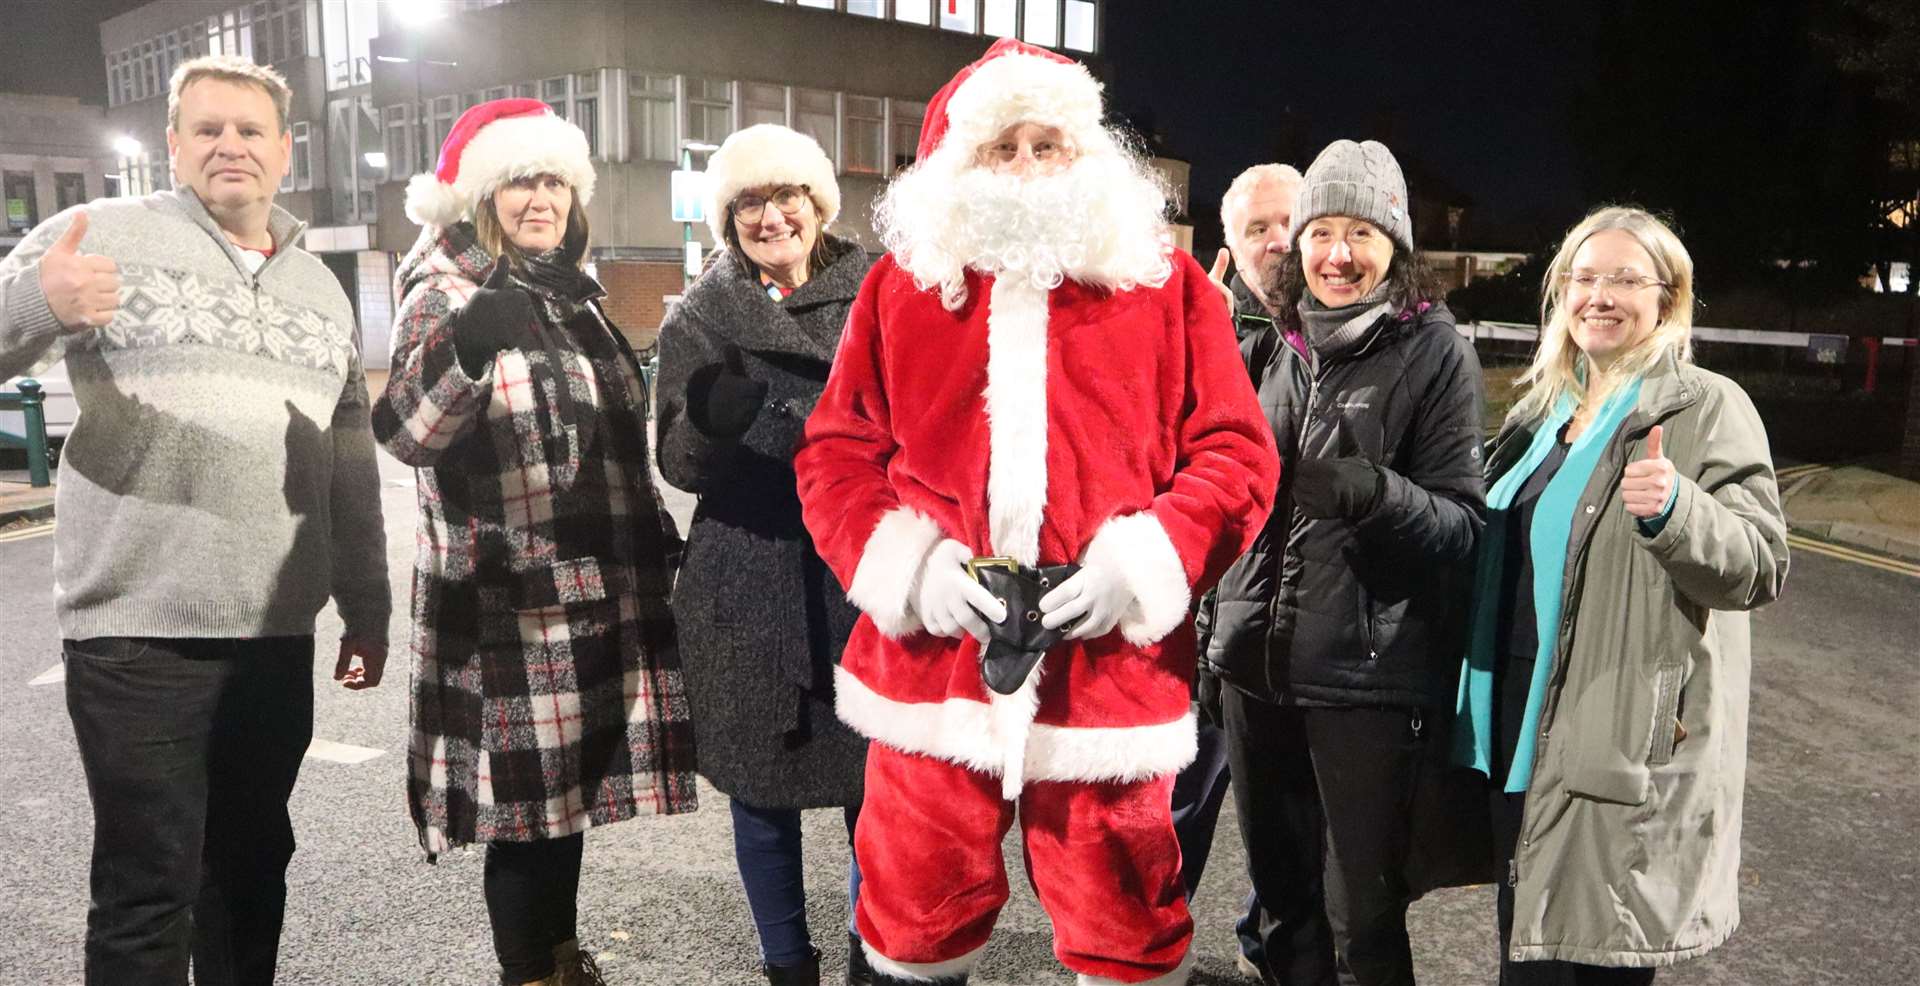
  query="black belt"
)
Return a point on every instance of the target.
[{"x": 1017, "y": 643}]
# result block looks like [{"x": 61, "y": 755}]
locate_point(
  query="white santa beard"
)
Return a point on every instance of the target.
[{"x": 1100, "y": 222}]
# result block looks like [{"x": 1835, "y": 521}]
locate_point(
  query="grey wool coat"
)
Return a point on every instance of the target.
[{"x": 762, "y": 620}]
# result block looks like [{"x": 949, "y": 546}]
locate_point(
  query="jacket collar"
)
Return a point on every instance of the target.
[
  {"x": 784, "y": 327},
  {"x": 1664, "y": 391},
  {"x": 285, "y": 229}
]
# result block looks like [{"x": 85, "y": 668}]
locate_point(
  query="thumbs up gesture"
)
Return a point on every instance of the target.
[
  {"x": 1648, "y": 481},
  {"x": 497, "y": 318},
  {"x": 722, "y": 399},
  {"x": 82, "y": 289},
  {"x": 1218, "y": 275}
]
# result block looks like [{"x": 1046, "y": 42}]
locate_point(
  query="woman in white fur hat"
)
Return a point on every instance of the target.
[
  {"x": 546, "y": 689},
  {"x": 743, "y": 359}
]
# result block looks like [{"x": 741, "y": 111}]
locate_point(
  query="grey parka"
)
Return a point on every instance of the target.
[{"x": 1629, "y": 852}]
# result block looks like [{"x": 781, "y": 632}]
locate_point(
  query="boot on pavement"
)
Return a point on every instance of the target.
[
  {"x": 803, "y": 973},
  {"x": 573, "y": 967},
  {"x": 858, "y": 972}
]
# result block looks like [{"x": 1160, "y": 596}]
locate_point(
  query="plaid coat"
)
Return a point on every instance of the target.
[{"x": 546, "y": 695}]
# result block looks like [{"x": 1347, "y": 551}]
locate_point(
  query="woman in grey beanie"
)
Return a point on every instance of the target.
[{"x": 1330, "y": 727}]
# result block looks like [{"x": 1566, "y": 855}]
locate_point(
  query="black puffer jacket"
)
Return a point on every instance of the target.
[
  {"x": 1372, "y": 611},
  {"x": 1235, "y": 617}
]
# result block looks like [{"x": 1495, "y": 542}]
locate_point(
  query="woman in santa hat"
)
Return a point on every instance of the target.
[
  {"x": 546, "y": 696},
  {"x": 742, "y": 362}
]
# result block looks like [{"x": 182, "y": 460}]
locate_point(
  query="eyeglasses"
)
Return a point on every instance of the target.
[
  {"x": 1593, "y": 283},
  {"x": 749, "y": 208}
]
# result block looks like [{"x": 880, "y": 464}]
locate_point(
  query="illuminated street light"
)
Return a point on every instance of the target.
[
  {"x": 420, "y": 12},
  {"x": 126, "y": 146},
  {"x": 376, "y": 159}
]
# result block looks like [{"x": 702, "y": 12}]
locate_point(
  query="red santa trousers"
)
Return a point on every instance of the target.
[{"x": 1102, "y": 858}]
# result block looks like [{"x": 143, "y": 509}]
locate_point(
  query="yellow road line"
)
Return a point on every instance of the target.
[
  {"x": 1795, "y": 472},
  {"x": 1885, "y": 564},
  {"x": 26, "y": 533}
]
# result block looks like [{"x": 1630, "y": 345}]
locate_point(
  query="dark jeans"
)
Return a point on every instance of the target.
[
  {"x": 1197, "y": 794},
  {"x": 766, "y": 844},
  {"x": 1324, "y": 796},
  {"x": 532, "y": 890},
  {"x": 1550, "y": 972},
  {"x": 191, "y": 748}
]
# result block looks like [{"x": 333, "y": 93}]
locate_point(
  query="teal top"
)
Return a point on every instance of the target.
[{"x": 1547, "y": 539}]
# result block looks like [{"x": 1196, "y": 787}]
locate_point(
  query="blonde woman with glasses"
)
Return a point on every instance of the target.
[
  {"x": 1633, "y": 520},
  {"x": 762, "y": 620}
]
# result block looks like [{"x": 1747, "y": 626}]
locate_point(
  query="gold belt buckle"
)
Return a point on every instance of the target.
[{"x": 975, "y": 565}]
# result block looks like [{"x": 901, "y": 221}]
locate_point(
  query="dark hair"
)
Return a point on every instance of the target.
[
  {"x": 493, "y": 237},
  {"x": 1409, "y": 282},
  {"x": 816, "y": 258}
]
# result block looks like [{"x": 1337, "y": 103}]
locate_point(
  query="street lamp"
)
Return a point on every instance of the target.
[
  {"x": 126, "y": 146},
  {"x": 420, "y": 12},
  {"x": 129, "y": 151},
  {"x": 688, "y": 192}
]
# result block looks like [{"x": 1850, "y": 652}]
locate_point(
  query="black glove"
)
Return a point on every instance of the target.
[
  {"x": 1348, "y": 487},
  {"x": 722, "y": 400},
  {"x": 1207, "y": 697},
  {"x": 494, "y": 320}
]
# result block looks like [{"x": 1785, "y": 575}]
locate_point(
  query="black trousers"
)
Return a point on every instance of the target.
[
  {"x": 1323, "y": 796},
  {"x": 191, "y": 748},
  {"x": 532, "y": 890},
  {"x": 1198, "y": 792}
]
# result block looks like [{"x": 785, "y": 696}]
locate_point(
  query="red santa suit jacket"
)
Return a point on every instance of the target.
[{"x": 1109, "y": 428}]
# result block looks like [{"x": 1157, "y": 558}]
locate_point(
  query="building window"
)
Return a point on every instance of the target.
[
  {"x": 650, "y": 118},
  {"x": 867, "y": 8},
  {"x": 523, "y": 90},
  {"x": 815, "y": 116},
  {"x": 762, "y": 103},
  {"x": 586, "y": 108},
  {"x": 1001, "y": 19},
  {"x": 905, "y": 133},
  {"x": 69, "y": 189},
  {"x": 913, "y": 11},
  {"x": 957, "y": 16},
  {"x": 1043, "y": 24},
  {"x": 301, "y": 167},
  {"x": 709, "y": 109},
  {"x": 23, "y": 213},
  {"x": 553, "y": 92},
  {"x": 866, "y": 133},
  {"x": 817, "y": 4},
  {"x": 1080, "y": 32},
  {"x": 402, "y": 158},
  {"x": 440, "y": 123}
]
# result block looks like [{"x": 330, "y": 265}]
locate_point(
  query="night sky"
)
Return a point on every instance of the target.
[{"x": 1472, "y": 94}]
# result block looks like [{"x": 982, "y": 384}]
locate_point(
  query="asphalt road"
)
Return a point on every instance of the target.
[{"x": 1830, "y": 885}]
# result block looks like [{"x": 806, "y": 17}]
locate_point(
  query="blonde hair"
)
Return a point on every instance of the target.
[
  {"x": 1245, "y": 182},
  {"x": 228, "y": 68},
  {"x": 1559, "y": 366}
]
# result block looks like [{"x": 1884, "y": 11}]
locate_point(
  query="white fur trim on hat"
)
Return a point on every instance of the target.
[
  {"x": 506, "y": 149},
  {"x": 1019, "y": 88},
  {"x": 769, "y": 154}
]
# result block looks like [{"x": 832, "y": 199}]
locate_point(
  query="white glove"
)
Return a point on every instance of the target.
[
  {"x": 948, "y": 600},
  {"x": 1096, "y": 593}
]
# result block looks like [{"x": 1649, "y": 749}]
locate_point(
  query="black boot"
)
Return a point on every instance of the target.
[
  {"x": 804, "y": 973},
  {"x": 858, "y": 972}
]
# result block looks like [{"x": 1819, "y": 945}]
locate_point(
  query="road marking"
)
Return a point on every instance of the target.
[
  {"x": 51, "y": 676},
  {"x": 1881, "y": 562},
  {"x": 1804, "y": 469},
  {"x": 326, "y": 749},
  {"x": 27, "y": 533}
]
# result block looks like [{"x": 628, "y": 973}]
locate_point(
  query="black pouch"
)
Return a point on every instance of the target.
[{"x": 1018, "y": 642}]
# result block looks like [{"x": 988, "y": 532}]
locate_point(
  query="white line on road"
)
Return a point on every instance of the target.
[
  {"x": 24, "y": 533},
  {"x": 326, "y": 749},
  {"x": 51, "y": 676}
]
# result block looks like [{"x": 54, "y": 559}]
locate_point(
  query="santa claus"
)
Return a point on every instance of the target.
[{"x": 1033, "y": 388}]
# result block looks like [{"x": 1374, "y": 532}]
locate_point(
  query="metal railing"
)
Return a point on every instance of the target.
[{"x": 31, "y": 404}]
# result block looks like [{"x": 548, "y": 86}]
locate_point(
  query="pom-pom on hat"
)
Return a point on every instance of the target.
[
  {"x": 1361, "y": 180},
  {"x": 1014, "y": 82},
  {"x": 768, "y": 154},
  {"x": 492, "y": 144}
]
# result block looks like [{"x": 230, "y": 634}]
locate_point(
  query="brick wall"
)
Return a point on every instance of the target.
[{"x": 634, "y": 289}]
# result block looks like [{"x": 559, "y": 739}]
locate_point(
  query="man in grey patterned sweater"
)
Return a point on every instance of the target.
[{"x": 218, "y": 487}]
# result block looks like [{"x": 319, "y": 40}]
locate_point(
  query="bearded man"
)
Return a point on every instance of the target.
[{"x": 1033, "y": 387}]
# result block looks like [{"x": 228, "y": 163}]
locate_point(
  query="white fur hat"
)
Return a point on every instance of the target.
[
  {"x": 492, "y": 144},
  {"x": 768, "y": 154}
]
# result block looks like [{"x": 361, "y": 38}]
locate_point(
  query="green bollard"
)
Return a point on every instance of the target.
[{"x": 33, "y": 408}]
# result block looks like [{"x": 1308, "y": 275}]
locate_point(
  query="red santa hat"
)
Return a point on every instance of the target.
[
  {"x": 1014, "y": 82},
  {"x": 769, "y": 154},
  {"x": 492, "y": 144}
]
